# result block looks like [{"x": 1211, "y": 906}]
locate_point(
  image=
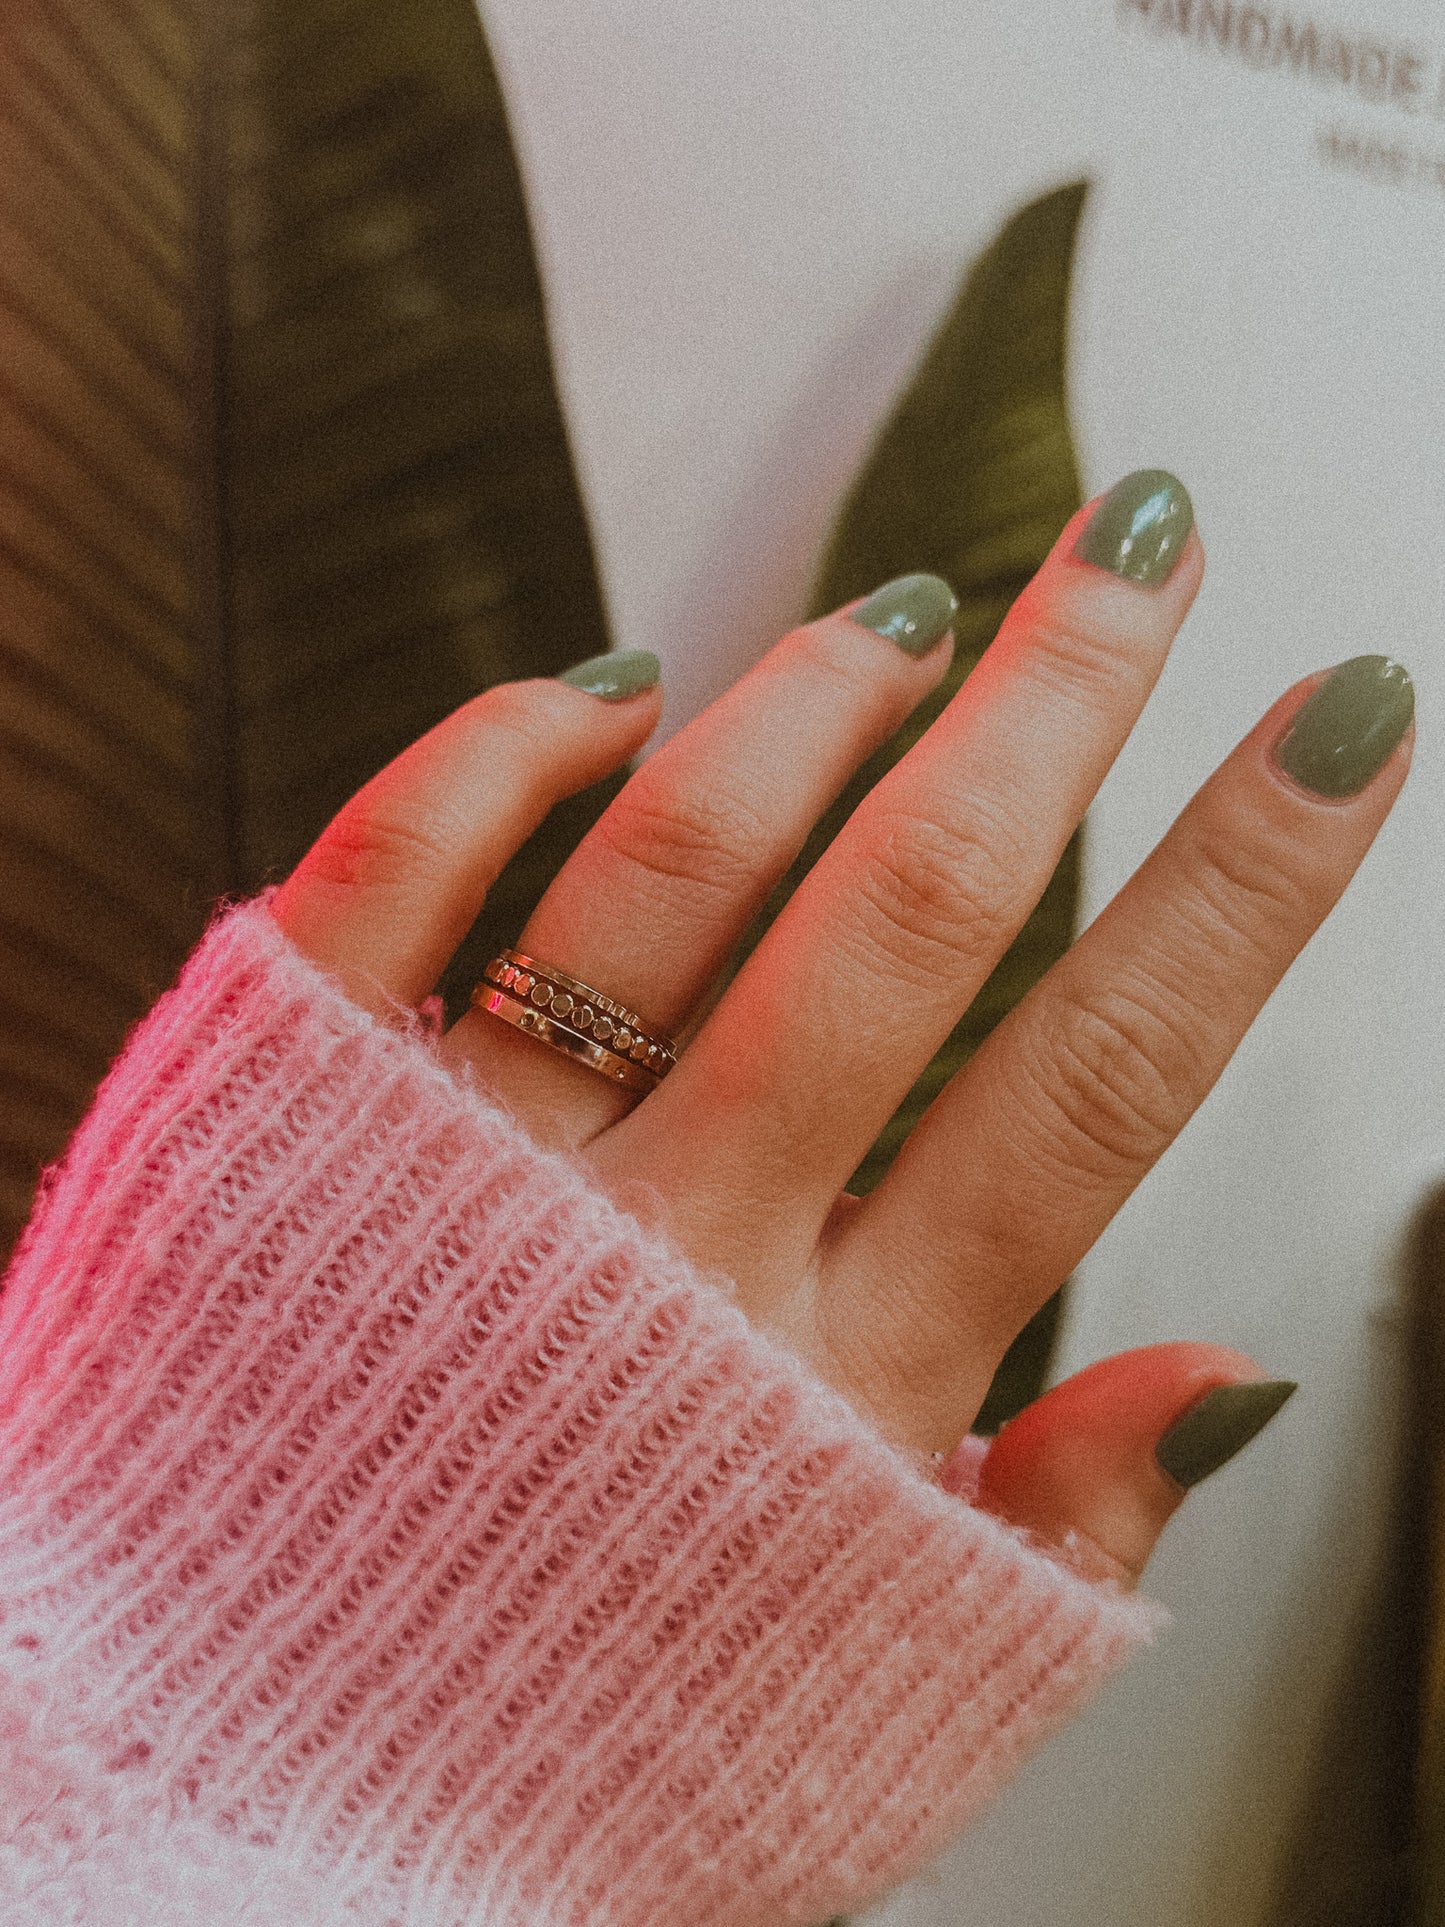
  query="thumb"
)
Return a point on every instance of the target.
[{"x": 1097, "y": 1465}]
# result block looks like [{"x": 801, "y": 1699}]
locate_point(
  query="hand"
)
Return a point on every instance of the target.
[{"x": 905, "y": 1300}]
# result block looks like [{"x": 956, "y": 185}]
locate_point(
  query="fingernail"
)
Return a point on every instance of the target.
[
  {"x": 913, "y": 610},
  {"x": 621, "y": 673},
  {"x": 1140, "y": 527},
  {"x": 1343, "y": 734},
  {"x": 1221, "y": 1424}
]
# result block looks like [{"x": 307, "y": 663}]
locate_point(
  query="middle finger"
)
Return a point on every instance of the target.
[{"x": 894, "y": 930}]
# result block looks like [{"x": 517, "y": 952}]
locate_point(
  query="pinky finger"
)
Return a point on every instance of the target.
[
  {"x": 394, "y": 882},
  {"x": 1096, "y": 1467}
]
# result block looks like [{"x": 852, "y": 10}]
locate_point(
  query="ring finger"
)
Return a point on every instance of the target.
[{"x": 650, "y": 904}]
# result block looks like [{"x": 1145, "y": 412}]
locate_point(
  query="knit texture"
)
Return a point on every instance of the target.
[{"x": 393, "y": 1531}]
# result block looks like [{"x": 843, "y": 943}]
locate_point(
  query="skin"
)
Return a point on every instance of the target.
[{"x": 906, "y": 1300}]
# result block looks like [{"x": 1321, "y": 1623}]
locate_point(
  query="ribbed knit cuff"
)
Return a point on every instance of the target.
[{"x": 388, "y": 1514}]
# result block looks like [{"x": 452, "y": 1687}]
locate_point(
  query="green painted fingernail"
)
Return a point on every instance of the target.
[
  {"x": 1221, "y": 1424},
  {"x": 1343, "y": 734},
  {"x": 621, "y": 673},
  {"x": 1140, "y": 527},
  {"x": 914, "y": 611}
]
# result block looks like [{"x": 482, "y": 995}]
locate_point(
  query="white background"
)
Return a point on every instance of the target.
[{"x": 750, "y": 218}]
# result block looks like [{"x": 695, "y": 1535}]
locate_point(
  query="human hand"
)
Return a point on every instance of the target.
[{"x": 906, "y": 1300}]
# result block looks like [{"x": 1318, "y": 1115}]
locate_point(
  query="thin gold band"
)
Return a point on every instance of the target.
[{"x": 572, "y": 1017}]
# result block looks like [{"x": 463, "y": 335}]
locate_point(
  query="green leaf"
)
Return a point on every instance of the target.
[
  {"x": 972, "y": 477},
  {"x": 100, "y": 850},
  {"x": 404, "y": 519},
  {"x": 231, "y": 595}
]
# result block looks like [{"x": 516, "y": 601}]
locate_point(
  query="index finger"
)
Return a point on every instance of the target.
[{"x": 1026, "y": 1155}]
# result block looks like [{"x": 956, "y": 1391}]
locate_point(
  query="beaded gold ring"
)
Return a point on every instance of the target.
[{"x": 572, "y": 1017}]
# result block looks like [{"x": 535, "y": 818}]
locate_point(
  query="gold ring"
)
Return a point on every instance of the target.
[{"x": 575, "y": 1019}]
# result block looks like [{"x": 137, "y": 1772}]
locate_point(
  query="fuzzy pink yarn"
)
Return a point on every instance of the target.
[{"x": 392, "y": 1531}]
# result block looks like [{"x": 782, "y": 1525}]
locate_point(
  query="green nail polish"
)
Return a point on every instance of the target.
[
  {"x": 914, "y": 611},
  {"x": 613, "y": 677},
  {"x": 1140, "y": 527},
  {"x": 1221, "y": 1424},
  {"x": 1343, "y": 734}
]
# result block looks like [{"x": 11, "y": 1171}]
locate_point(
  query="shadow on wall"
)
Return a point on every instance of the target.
[{"x": 1371, "y": 1849}]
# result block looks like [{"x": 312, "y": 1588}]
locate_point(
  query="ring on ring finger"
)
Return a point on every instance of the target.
[{"x": 574, "y": 1018}]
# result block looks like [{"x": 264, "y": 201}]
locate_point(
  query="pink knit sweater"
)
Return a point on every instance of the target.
[{"x": 393, "y": 1531}]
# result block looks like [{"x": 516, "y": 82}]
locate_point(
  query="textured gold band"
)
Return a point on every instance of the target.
[{"x": 574, "y": 1018}]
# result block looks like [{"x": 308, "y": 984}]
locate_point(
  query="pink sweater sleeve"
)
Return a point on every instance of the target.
[{"x": 394, "y": 1532}]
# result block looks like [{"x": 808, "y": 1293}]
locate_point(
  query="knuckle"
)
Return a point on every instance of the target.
[
  {"x": 1249, "y": 899},
  {"x": 1122, "y": 1073},
  {"x": 373, "y": 845},
  {"x": 682, "y": 844},
  {"x": 836, "y": 653},
  {"x": 1115, "y": 1078},
  {"x": 407, "y": 826},
  {"x": 520, "y": 716},
  {"x": 1082, "y": 650},
  {"x": 929, "y": 895}
]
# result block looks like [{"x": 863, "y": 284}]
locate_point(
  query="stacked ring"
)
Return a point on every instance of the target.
[{"x": 574, "y": 1018}]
